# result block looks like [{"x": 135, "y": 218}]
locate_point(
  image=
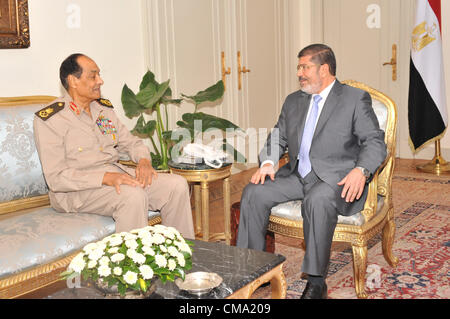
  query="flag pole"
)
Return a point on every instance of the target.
[{"x": 438, "y": 165}]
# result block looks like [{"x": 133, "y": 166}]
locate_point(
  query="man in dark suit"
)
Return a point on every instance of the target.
[{"x": 334, "y": 144}]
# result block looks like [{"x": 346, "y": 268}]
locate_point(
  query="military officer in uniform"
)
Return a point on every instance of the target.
[{"x": 79, "y": 138}]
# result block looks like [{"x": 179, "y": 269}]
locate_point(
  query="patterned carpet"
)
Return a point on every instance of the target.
[{"x": 422, "y": 244}]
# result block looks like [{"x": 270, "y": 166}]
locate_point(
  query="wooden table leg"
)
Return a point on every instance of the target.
[
  {"x": 198, "y": 209},
  {"x": 277, "y": 283},
  {"x": 205, "y": 210},
  {"x": 226, "y": 198}
]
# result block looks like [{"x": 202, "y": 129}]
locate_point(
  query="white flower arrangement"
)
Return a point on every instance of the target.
[{"x": 131, "y": 260}]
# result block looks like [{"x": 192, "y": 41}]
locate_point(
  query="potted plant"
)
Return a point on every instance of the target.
[
  {"x": 154, "y": 98},
  {"x": 128, "y": 263}
]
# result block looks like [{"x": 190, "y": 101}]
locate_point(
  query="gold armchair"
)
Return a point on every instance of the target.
[{"x": 378, "y": 212}]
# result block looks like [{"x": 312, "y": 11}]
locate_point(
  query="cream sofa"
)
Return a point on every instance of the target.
[{"x": 36, "y": 242}]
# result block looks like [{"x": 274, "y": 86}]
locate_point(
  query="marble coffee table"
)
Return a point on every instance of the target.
[{"x": 243, "y": 271}]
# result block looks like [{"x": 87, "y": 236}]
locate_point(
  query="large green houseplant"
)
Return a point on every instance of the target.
[{"x": 153, "y": 98}]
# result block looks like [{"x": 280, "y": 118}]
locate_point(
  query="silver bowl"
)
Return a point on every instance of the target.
[{"x": 199, "y": 282}]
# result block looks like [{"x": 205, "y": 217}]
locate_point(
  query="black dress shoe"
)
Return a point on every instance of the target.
[{"x": 314, "y": 291}]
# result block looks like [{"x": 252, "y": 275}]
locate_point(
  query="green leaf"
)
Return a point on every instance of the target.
[
  {"x": 186, "y": 255},
  {"x": 156, "y": 98},
  {"x": 130, "y": 103},
  {"x": 149, "y": 77},
  {"x": 167, "y": 135},
  {"x": 144, "y": 128},
  {"x": 190, "y": 243},
  {"x": 183, "y": 124},
  {"x": 122, "y": 288},
  {"x": 146, "y": 95},
  {"x": 112, "y": 281},
  {"x": 156, "y": 159},
  {"x": 171, "y": 277},
  {"x": 66, "y": 274},
  {"x": 211, "y": 94},
  {"x": 180, "y": 272},
  {"x": 85, "y": 274},
  {"x": 165, "y": 100},
  {"x": 207, "y": 122}
]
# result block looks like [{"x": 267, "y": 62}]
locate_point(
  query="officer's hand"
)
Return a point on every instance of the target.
[
  {"x": 145, "y": 172},
  {"x": 117, "y": 179},
  {"x": 354, "y": 184},
  {"x": 262, "y": 172}
]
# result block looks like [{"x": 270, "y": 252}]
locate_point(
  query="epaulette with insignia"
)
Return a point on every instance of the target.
[
  {"x": 105, "y": 102},
  {"x": 50, "y": 110}
]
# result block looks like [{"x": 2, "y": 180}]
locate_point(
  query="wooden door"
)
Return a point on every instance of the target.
[
  {"x": 362, "y": 34},
  {"x": 257, "y": 40}
]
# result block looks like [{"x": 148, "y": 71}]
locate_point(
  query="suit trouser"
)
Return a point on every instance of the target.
[
  {"x": 168, "y": 193},
  {"x": 319, "y": 214}
]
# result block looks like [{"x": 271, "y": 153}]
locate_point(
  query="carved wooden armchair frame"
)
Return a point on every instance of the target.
[{"x": 358, "y": 236}]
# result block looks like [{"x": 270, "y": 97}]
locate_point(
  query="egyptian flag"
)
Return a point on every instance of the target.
[{"x": 427, "y": 109}]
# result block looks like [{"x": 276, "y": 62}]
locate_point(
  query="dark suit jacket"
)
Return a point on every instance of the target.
[{"x": 347, "y": 135}]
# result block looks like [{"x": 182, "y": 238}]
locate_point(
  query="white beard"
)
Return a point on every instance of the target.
[{"x": 311, "y": 88}]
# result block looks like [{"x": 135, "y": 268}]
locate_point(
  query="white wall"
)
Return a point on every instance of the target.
[{"x": 110, "y": 32}]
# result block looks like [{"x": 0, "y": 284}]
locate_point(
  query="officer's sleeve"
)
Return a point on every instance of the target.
[
  {"x": 60, "y": 177},
  {"x": 130, "y": 144}
]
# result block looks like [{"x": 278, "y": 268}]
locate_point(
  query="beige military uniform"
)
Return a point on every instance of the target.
[{"x": 76, "y": 150}]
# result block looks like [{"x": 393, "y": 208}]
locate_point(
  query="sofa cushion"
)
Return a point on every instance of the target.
[
  {"x": 45, "y": 235},
  {"x": 292, "y": 210},
  {"x": 20, "y": 169}
]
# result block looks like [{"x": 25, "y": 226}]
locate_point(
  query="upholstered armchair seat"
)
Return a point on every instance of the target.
[{"x": 292, "y": 210}]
